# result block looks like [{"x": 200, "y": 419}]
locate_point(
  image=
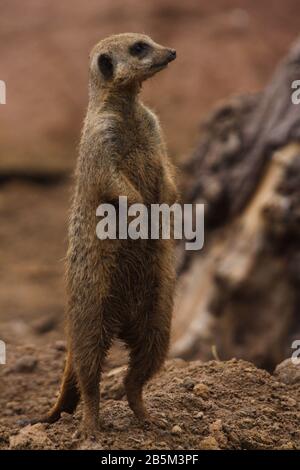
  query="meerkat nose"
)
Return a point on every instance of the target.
[{"x": 172, "y": 54}]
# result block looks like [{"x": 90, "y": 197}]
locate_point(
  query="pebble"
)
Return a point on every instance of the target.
[
  {"x": 201, "y": 390},
  {"x": 176, "y": 429},
  {"x": 288, "y": 372},
  {"x": 188, "y": 383},
  {"x": 290, "y": 401},
  {"x": 209, "y": 443}
]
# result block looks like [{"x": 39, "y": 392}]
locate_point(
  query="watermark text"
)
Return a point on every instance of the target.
[
  {"x": 156, "y": 221},
  {"x": 2, "y": 92},
  {"x": 295, "y": 97},
  {"x": 2, "y": 352}
]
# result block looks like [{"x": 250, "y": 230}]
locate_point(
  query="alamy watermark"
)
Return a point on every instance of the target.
[
  {"x": 2, "y": 92},
  {"x": 156, "y": 221},
  {"x": 296, "y": 353},
  {"x": 2, "y": 352},
  {"x": 295, "y": 97}
]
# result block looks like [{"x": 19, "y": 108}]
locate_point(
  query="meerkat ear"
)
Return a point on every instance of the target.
[{"x": 106, "y": 66}]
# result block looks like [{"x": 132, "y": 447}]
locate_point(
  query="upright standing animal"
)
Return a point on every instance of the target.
[{"x": 117, "y": 288}]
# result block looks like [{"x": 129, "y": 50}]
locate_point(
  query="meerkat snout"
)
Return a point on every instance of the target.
[{"x": 172, "y": 54}]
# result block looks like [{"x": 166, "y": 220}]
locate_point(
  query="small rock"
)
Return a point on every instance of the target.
[
  {"x": 199, "y": 415},
  {"x": 25, "y": 364},
  {"x": 290, "y": 401},
  {"x": 216, "y": 431},
  {"x": 209, "y": 443},
  {"x": 188, "y": 383},
  {"x": 216, "y": 426},
  {"x": 176, "y": 429},
  {"x": 288, "y": 372},
  {"x": 201, "y": 390}
]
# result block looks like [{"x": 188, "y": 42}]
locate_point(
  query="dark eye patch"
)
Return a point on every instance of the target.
[
  {"x": 106, "y": 66},
  {"x": 139, "y": 49}
]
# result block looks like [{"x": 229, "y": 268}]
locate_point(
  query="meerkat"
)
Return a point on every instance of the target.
[{"x": 117, "y": 288}]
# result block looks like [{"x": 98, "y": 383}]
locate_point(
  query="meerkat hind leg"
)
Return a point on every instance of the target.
[
  {"x": 146, "y": 358},
  {"x": 89, "y": 374}
]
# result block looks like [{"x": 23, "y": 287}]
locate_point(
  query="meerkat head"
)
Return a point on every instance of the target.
[{"x": 125, "y": 59}]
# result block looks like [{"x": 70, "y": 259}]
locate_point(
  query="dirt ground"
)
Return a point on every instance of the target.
[{"x": 213, "y": 405}]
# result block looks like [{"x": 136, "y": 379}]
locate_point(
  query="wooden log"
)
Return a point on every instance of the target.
[{"x": 240, "y": 294}]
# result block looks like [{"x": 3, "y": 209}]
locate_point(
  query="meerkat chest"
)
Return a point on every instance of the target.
[{"x": 142, "y": 160}]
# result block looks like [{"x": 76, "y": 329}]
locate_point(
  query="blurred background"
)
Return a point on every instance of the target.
[{"x": 224, "y": 47}]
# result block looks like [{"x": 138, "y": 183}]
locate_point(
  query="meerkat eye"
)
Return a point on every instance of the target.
[
  {"x": 105, "y": 65},
  {"x": 139, "y": 49}
]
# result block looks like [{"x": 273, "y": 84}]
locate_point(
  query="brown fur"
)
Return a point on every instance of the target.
[{"x": 117, "y": 288}]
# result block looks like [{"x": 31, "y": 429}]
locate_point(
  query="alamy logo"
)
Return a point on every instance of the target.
[
  {"x": 2, "y": 352},
  {"x": 2, "y": 92},
  {"x": 296, "y": 353},
  {"x": 296, "y": 94},
  {"x": 155, "y": 221}
]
